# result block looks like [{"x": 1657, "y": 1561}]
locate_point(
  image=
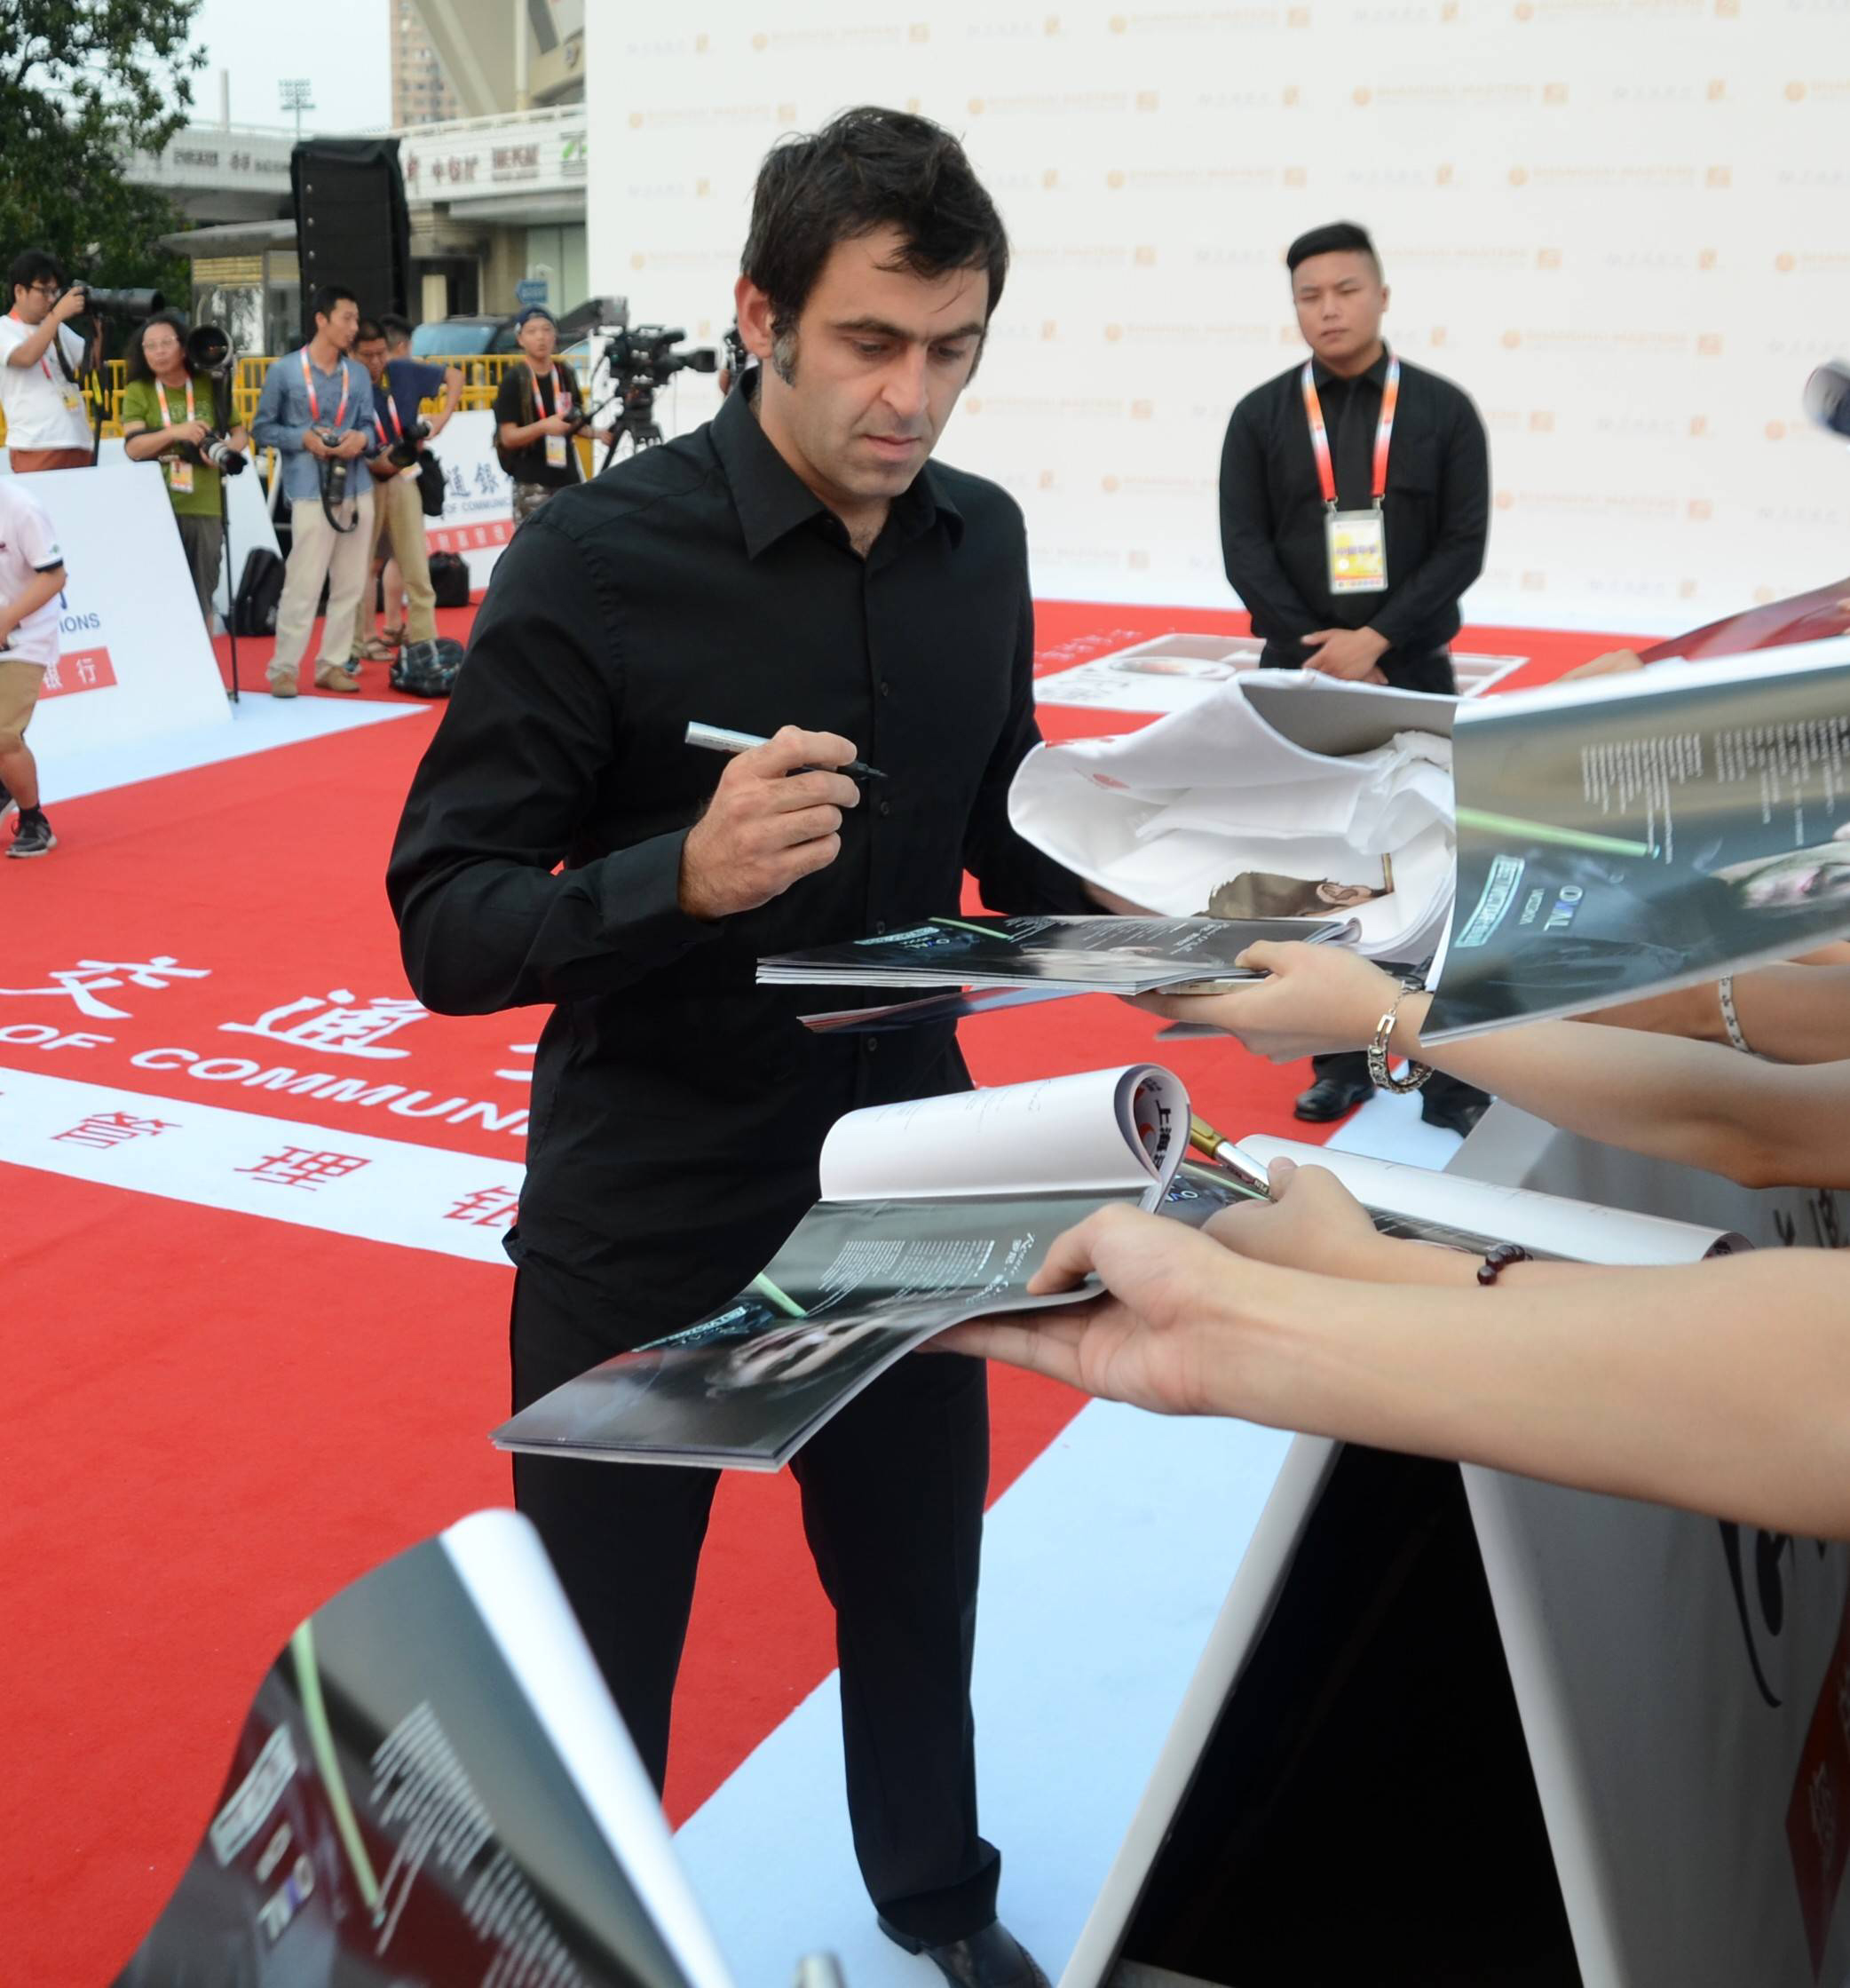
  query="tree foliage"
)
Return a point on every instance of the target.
[{"x": 83, "y": 85}]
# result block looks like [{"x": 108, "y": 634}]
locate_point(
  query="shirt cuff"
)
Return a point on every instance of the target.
[{"x": 639, "y": 891}]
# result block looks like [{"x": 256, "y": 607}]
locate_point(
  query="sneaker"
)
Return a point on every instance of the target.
[
  {"x": 32, "y": 835},
  {"x": 337, "y": 677}
]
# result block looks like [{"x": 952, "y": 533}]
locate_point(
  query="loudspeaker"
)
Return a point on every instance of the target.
[{"x": 351, "y": 224}]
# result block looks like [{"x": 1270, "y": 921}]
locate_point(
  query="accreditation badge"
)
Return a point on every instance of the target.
[
  {"x": 556, "y": 447},
  {"x": 73, "y": 399},
  {"x": 180, "y": 477},
  {"x": 1358, "y": 545}
]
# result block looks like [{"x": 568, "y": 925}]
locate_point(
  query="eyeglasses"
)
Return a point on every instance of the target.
[{"x": 43, "y": 289}]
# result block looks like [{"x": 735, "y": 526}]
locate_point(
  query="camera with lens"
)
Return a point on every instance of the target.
[
  {"x": 645, "y": 353},
  {"x": 337, "y": 471},
  {"x": 217, "y": 453},
  {"x": 117, "y": 304},
  {"x": 403, "y": 453}
]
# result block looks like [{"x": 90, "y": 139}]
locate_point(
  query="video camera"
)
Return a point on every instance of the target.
[
  {"x": 1826, "y": 397},
  {"x": 644, "y": 354}
]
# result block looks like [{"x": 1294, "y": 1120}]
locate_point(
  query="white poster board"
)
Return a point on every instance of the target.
[
  {"x": 135, "y": 661},
  {"x": 478, "y": 517}
]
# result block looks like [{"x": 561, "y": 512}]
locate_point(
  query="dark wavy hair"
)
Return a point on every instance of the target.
[
  {"x": 868, "y": 169},
  {"x": 136, "y": 366}
]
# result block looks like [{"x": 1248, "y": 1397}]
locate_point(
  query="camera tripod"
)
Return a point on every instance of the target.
[{"x": 636, "y": 423}]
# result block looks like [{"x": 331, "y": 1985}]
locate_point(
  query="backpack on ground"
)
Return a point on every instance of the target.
[
  {"x": 449, "y": 579},
  {"x": 259, "y": 593}
]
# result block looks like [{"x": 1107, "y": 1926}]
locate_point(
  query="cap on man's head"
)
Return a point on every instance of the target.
[{"x": 536, "y": 311}]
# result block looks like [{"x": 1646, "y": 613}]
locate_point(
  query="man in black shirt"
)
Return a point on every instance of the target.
[
  {"x": 535, "y": 437},
  {"x": 1355, "y": 506},
  {"x": 796, "y": 562}
]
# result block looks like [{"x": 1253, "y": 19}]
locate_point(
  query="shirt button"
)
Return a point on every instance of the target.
[
  {"x": 886, "y": 689},
  {"x": 879, "y": 925},
  {"x": 872, "y": 1044},
  {"x": 886, "y": 807}
]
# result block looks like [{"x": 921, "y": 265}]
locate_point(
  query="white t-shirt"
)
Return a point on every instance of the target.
[
  {"x": 37, "y": 400},
  {"x": 28, "y": 547}
]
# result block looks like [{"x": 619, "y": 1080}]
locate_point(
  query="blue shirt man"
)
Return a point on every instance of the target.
[{"x": 299, "y": 393}]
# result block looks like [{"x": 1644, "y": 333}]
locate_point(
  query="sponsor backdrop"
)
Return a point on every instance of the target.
[{"x": 1619, "y": 223}]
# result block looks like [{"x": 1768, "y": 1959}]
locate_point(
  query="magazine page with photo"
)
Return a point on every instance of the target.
[
  {"x": 932, "y": 1211},
  {"x": 1624, "y": 835}
]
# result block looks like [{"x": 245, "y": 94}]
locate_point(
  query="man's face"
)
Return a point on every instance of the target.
[
  {"x": 371, "y": 353},
  {"x": 341, "y": 324},
  {"x": 160, "y": 347},
  {"x": 878, "y": 360},
  {"x": 33, "y": 300},
  {"x": 1339, "y": 299},
  {"x": 538, "y": 336}
]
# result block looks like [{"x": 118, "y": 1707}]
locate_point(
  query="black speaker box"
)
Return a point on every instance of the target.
[{"x": 351, "y": 224}]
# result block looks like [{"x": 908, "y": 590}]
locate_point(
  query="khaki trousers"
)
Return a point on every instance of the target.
[
  {"x": 398, "y": 528},
  {"x": 318, "y": 552}
]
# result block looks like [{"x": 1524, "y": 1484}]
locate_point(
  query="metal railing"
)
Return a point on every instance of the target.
[{"x": 481, "y": 380}]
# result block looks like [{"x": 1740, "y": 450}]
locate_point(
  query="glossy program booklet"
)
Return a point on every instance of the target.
[
  {"x": 1809, "y": 617},
  {"x": 933, "y": 1212},
  {"x": 1014, "y": 963},
  {"x": 1627, "y": 835},
  {"x": 433, "y": 1787}
]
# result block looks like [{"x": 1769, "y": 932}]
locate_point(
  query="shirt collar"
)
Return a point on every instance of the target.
[
  {"x": 771, "y": 498},
  {"x": 1378, "y": 372}
]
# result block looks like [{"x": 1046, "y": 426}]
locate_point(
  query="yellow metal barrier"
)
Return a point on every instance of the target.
[{"x": 481, "y": 380}]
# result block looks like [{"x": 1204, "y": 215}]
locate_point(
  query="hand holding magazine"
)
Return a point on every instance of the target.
[
  {"x": 986, "y": 963},
  {"x": 1628, "y": 835},
  {"x": 932, "y": 1211}
]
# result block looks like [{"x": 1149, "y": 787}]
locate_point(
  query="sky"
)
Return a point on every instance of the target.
[{"x": 347, "y": 59}]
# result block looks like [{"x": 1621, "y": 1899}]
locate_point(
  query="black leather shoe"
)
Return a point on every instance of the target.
[
  {"x": 992, "y": 1958},
  {"x": 1454, "y": 1110},
  {"x": 1334, "y": 1096}
]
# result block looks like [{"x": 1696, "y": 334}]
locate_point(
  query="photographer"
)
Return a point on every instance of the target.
[
  {"x": 41, "y": 363},
  {"x": 400, "y": 384},
  {"x": 171, "y": 412},
  {"x": 537, "y": 415},
  {"x": 316, "y": 411}
]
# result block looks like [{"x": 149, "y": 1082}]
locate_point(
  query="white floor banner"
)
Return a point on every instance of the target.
[
  {"x": 135, "y": 659},
  {"x": 478, "y": 517}
]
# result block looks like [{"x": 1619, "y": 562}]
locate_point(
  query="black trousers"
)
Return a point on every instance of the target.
[
  {"x": 892, "y": 1506},
  {"x": 1428, "y": 670}
]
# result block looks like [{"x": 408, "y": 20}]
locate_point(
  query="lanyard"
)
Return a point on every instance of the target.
[
  {"x": 161, "y": 395},
  {"x": 1320, "y": 438},
  {"x": 44, "y": 364},
  {"x": 314, "y": 406},
  {"x": 391, "y": 408}
]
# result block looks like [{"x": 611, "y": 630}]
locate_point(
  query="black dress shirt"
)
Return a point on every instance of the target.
[
  {"x": 678, "y": 1110},
  {"x": 1437, "y": 507}
]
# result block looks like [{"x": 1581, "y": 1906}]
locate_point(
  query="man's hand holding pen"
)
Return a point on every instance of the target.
[{"x": 775, "y": 817}]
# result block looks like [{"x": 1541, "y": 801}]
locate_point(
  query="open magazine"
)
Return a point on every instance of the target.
[
  {"x": 1627, "y": 835},
  {"x": 1012, "y": 962},
  {"x": 1808, "y": 617},
  {"x": 433, "y": 1787},
  {"x": 932, "y": 1211}
]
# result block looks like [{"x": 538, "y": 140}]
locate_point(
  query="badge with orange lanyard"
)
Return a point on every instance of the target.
[
  {"x": 1356, "y": 541},
  {"x": 179, "y": 470}
]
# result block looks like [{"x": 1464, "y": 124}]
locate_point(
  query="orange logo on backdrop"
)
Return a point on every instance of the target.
[
  {"x": 1698, "y": 424},
  {"x": 1299, "y": 17},
  {"x": 1295, "y": 176},
  {"x": 1113, "y": 333},
  {"x": 1708, "y": 345},
  {"x": 760, "y": 42},
  {"x": 1519, "y": 176},
  {"x": 1700, "y": 510},
  {"x": 919, "y": 31},
  {"x": 1142, "y": 410},
  {"x": 702, "y": 188},
  {"x": 1363, "y": 93},
  {"x": 1147, "y": 99},
  {"x": 1108, "y": 484},
  {"x": 1721, "y": 176},
  {"x": 1438, "y": 335},
  {"x": 1717, "y": 90},
  {"x": 1686, "y": 589},
  {"x": 1548, "y": 259},
  {"x": 1541, "y": 422},
  {"x": 1114, "y": 181},
  {"x": 1140, "y": 562},
  {"x": 1776, "y": 431},
  {"x": 1795, "y": 92},
  {"x": 1510, "y": 340},
  {"x": 1443, "y": 178},
  {"x": 1555, "y": 93},
  {"x": 699, "y": 44},
  {"x": 1785, "y": 263},
  {"x": 1706, "y": 258},
  {"x": 1051, "y": 25},
  {"x": 1049, "y": 330},
  {"x": 1535, "y": 583},
  {"x": 1144, "y": 257},
  {"x": 1505, "y": 500},
  {"x": 1290, "y": 97}
]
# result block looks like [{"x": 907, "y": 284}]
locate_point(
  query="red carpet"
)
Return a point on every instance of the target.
[{"x": 215, "y": 1421}]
